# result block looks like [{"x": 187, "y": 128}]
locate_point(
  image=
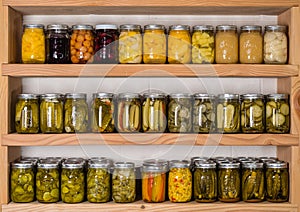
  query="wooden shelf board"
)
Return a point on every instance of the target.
[
  {"x": 146, "y": 70},
  {"x": 149, "y": 139},
  {"x": 142, "y": 206}
]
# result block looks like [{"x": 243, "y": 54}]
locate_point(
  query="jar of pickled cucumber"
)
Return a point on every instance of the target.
[
  {"x": 180, "y": 113},
  {"x": 154, "y": 44},
  {"x": 58, "y": 44},
  {"x": 47, "y": 182},
  {"x": 73, "y": 181},
  {"x": 228, "y": 113},
  {"x": 277, "y": 180},
  {"x": 106, "y": 44},
  {"x": 253, "y": 181},
  {"x": 123, "y": 182},
  {"x": 229, "y": 185},
  {"x": 33, "y": 44},
  {"x": 27, "y": 114},
  {"x": 275, "y": 44},
  {"x": 82, "y": 44},
  {"x": 251, "y": 44},
  {"x": 51, "y": 113},
  {"x": 154, "y": 112},
  {"x": 277, "y": 113},
  {"x": 252, "y": 113},
  {"x": 204, "y": 113},
  {"x": 98, "y": 180},
  {"x": 76, "y": 113},
  {"x": 129, "y": 112},
  {"x": 180, "y": 181},
  {"x": 22, "y": 182},
  {"x": 130, "y": 44},
  {"x": 227, "y": 44},
  {"x": 203, "y": 44},
  {"x": 205, "y": 181},
  {"x": 103, "y": 119},
  {"x": 154, "y": 181},
  {"x": 179, "y": 44}
]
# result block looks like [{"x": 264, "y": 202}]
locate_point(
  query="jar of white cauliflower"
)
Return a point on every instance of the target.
[{"x": 275, "y": 44}]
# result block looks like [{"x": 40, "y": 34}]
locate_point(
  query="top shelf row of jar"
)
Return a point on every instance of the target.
[{"x": 108, "y": 44}]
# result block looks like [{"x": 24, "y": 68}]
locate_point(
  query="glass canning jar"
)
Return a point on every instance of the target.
[
  {"x": 179, "y": 44},
  {"x": 33, "y": 44},
  {"x": 275, "y": 44},
  {"x": 154, "y": 112},
  {"x": 51, "y": 113},
  {"x": 252, "y": 113},
  {"x": 82, "y": 44},
  {"x": 75, "y": 113},
  {"x": 154, "y": 44},
  {"x": 227, "y": 44},
  {"x": 27, "y": 114},
  {"x": 277, "y": 113},
  {"x": 130, "y": 44},
  {"x": 251, "y": 44},
  {"x": 203, "y": 44},
  {"x": 106, "y": 44},
  {"x": 102, "y": 114},
  {"x": 57, "y": 44}
]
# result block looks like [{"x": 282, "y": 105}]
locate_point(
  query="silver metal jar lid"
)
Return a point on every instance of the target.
[
  {"x": 22, "y": 164},
  {"x": 251, "y": 28},
  {"x": 226, "y": 27},
  {"x": 28, "y": 96},
  {"x": 205, "y": 164},
  {"x": 203, "y": 96},
  {"x": 102, "y": 163},
  {"x": 253, "y": 165},
  {"x": 82, "y": 27},
  {"x": 154, "y": 95},
  {"x": 51, "y": 96},
  {"x": 179, "y": 164},
  {"x": 179, "y": 27},
  {"x": 154, "y": 168},
  {"x": 180, "y": 95},
  {"x": 76, "y": 96},
  {"x": 48, "y": 164},
  {"x": 229, "y": 165},
  {"x": 57, "y": 26},
  {"x": 228, "y": 96},
  {"x": 128, "y": 95},
  {"x": 280, "y": 28},
  {"x": 123, "y": 165},
  {"x": 69, "y": 164},
  {"x": 203, "y": 28},
  {"x": 277, "y": 164},
  {"x": 154, "y": 26},
  {"x": 102, "y": 95},
  {"x": 31, "y": 26},
  {"x": 106, "y": 26},
  {"x": 278, "y": 96},
  {"x": 252, "y": 96},
  {"x": 156, "y": 161},
  {"x": 131, "y": 27}
]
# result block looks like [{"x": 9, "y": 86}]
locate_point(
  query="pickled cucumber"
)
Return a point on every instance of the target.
[
  {"x": 98, "y": 185},
  {"x": 203, "y": 116},
  {"x": 277, "y": 180},
  {"x": 253, "y": 185},
  {"x": 229, "y": 184},
  {"x": 205, "y": 185}
]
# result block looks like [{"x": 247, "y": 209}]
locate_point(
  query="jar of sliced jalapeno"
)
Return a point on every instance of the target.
[
  {"x": 123, "y": 182},
  {"x": 277, "y": 113},
  {"x": 229, "y": 186},
  {"x": 22, "y": 182},
  {"x": 180, "y": 113},
  {"x": 253, "y": 181},
  {"x": 72, "y": 181},
  {"x": 228, "y": 113},
  {"x": 180, "y": 181},
  {"x": 47, "y": 182},
  {"x": 76, "y": 113},
  {"x": 154, "y": 112},
  {"x": 27, "y": 114},
  {"x": 129, "y": 112},
  {"x": 203, "y": 113},
  {"x": 252, "y": 113},
  {"x": 51, "y": 113},
  {"x": 277, "y": 179}
]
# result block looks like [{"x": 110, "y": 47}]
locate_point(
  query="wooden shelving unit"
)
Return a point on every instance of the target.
[{"x": 12, "y": 72}]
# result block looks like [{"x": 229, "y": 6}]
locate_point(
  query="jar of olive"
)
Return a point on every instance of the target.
[
  {"x": 204, "y": 113},
  {"x": 180, "y": 181},
  {"x": 130, "y": 44},
  {"x": 205, "y": 181},
  {"x": 228, "y": 113},
  {"x": 229, "y": 186},
  {"x": 129, "y": 112},
  {"x": 76, "y": 113},
  {"x": 180, "y": 113},
  {"x": 277, "y": 179},
  {"x": 22, "y": 182},
  {"x": 277, "y": 113},
  {"x": 51, "y": 113},
  {"x": 27, "y": 114},
  {"x": 98, "y": 180},
  {"x": 227, "y": 44},
  {"x": 154, "y": 112},
  {"x": 203, "y": 44},
  {"x": 72, "y": 181},
  {"x": 253, "y": 181},
  {"x": 47, "y": 182},
  {"x": 252, "y": 113},
  {"x": 103, "y": 120},
  {"x": 179, "y": 44},
  {"x": 123, "y": 182}
]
